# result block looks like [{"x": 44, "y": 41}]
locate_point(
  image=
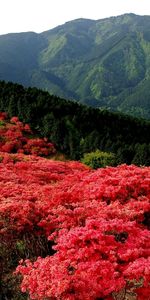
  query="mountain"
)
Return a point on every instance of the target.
[{"x": 103, "y": 63}]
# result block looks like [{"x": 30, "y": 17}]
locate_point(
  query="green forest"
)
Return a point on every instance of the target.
[
  {"x": 76, "y": 129},
  {"x": 101, "y": 63}
]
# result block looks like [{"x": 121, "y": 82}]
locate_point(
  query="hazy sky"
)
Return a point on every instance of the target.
[{"x": 41, "y": 15}]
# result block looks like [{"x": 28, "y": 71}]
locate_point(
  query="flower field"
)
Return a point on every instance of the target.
[{"x": 71, "y": 233}]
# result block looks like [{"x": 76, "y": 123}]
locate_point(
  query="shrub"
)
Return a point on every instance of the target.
[{"x": 99, "y": 159}]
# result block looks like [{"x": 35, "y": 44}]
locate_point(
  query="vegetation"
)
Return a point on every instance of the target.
[
  {"x": 98, "y": 159},
  {"x": 76, "y": 129},
  {"x": 63, "y": 224},
  {"x": 103, "y": 63},
  {"x": 15, "y": 137}
]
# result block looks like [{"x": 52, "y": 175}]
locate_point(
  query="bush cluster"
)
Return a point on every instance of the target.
[
  {"x": 15, "y": 137},
  {"x": 98, "y": 222}
]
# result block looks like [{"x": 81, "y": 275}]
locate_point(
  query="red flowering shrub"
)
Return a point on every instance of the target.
[
  {"x": 14, "y": 138},
  {"x": 98, "y": 220},
  {"x": 39, "y": 147},
  {"x": 3, "y": 116},
  {"x": 14, "y": 120},
  {"x": 91, "y": 262}
]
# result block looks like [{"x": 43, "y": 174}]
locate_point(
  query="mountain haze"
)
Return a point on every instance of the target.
[{"x": 103, "y": 63}]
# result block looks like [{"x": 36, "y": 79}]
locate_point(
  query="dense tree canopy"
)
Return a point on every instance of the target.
[{"x": 77, "y": 129}]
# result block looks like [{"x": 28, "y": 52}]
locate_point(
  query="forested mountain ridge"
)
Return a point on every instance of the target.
[
  {"x": 76, "y": 129},
  {"x": 103, "y": 63}
]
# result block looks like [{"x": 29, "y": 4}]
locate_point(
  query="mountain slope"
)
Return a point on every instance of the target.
[
  {"x": 103, "y": 63},
  {"x": 76, "y": 129}
]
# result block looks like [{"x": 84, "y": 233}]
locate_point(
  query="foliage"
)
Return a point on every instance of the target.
[
  {"x": 76, "y": 129},
  {"x": 97, "y": 220},
  {"x": 102, "y": 63},
  {"x": 14, "y": 137},
  {"x": 98, "y": 159}
]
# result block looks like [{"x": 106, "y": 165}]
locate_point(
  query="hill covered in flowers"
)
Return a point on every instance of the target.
[
  {"x": 15, "y": 137},
  {"x": 69, "y": 232}
]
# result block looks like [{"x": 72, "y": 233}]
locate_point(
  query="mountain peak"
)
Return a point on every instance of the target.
[{"x": 103, "y": 63}]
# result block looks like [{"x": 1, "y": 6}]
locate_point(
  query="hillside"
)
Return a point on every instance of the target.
[
  {"x": 76, "y": 129},
  {"x": 103, "y": 63}
]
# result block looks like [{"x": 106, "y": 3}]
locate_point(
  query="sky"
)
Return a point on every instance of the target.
[{"x": 42, "y": 15}]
